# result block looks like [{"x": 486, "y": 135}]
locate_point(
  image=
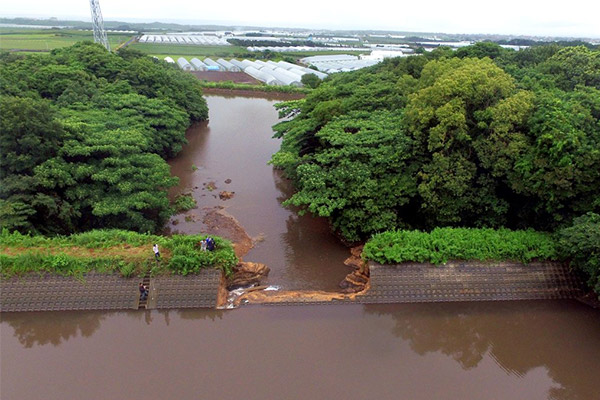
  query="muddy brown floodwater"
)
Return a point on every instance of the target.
[
  {"x": 503, "y": 350},
  {"x": 230, "y": 153},
  {"x": 496, "y": 350}
]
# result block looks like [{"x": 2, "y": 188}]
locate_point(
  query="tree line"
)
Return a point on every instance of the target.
[{"x": 85, "y": 135}]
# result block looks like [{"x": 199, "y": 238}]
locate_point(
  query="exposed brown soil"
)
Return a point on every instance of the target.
[
  {"x": 220, "y": 76},
  {"x": 262, "y": 297},
  {"x": 246, "y": 274},
  {"x": 222, "y": 293},
  {"x": 218, "y": 222}
]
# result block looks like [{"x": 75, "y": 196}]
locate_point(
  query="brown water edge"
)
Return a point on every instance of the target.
[
  {"x": 511, "y": 350},
  {"x": 230, "y": 153}
]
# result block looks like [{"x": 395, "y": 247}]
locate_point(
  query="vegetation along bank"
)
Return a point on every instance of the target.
[
  {"x": 478, "y": 137},
  {"x": 85, "y": 135},
  {"x": 124, "y": 252}
]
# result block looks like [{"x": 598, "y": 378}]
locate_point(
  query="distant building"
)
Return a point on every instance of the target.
[{"x": 380, "y": 55}]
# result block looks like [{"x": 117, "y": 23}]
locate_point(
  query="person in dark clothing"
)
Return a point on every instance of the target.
[
  {"x": 143, "y": 291},
  {"x": 210, "y": 244}
]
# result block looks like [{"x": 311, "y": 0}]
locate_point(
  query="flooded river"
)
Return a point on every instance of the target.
[
  {"x": 235, "y": 147},
  {"x": 496, "y": 350}
]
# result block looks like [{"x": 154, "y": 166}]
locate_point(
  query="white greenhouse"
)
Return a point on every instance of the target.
[
  {"x": 227, "y": 66},
  {"x": 263, "y": 76},
  {"x": 211, "y": 63},
  {"x": 199, "y": 65},
  {"x": 184, "y": 64},
  {"x": 237, "y": 63}
]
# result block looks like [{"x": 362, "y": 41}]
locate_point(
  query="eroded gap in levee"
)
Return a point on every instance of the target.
[{"x": 244, "y": 286}]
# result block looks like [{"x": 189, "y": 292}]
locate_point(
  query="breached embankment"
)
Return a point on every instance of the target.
[{"x": 244, "y": 285}]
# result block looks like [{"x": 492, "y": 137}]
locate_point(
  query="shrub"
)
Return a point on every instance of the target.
[
  {"x": 184, "y": 202},
  {"x": 580, "y": 243},
  {"x": 443, "y": 244}
]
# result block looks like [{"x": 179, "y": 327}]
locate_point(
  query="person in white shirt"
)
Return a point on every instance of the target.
[{"x": 156, "y": 252}]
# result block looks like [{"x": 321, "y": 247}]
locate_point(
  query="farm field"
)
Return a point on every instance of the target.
[{"x": 48, "y": 39}]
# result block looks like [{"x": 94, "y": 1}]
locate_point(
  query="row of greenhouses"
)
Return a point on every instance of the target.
[
  {"x": 202, "y": 40},
  {"x": 338, "y": 63},
  {"x": 279, "y": 73}
]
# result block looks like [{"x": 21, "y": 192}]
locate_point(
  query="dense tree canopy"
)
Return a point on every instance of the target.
[
  {"x": 478, "y": 137},
  {"x": 85, "y": 134}
]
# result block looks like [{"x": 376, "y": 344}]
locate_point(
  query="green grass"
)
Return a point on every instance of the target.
[
  {"x": 443, "y": 244},
  {"x": 120, "y": 251},
  {"x": 256, "y": 88},
  {"x": 48, "y": 39}
]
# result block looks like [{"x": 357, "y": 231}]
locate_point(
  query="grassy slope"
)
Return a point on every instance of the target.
[{"x": 110, "y": 250}]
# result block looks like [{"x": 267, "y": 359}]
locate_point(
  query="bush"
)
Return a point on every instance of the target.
[
  {"x": 580, "y": 243},
  {"x": 184, "y": 203},
  {"x": 187, "y": 258},
  {"x": 443, "y": 244},
  {"x": 311, "y": 80}
]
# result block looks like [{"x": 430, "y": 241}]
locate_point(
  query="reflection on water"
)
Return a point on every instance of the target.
[
  {"x": 464, "y": 350},
  {"x": 562, "y": 337},
  {"x": 42, "y": 328}
]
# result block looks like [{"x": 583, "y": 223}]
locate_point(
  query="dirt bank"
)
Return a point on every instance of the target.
[
  {"x": 257, "y": 93},
  {"x": 295, "y": 296},
  {"x": 218, "y": 222}
]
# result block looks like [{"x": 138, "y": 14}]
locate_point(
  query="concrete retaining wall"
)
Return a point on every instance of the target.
[
  {"x": 195, "y": 291},
  {"x": 470, "y": 281},
  {"x": 58, "y": 293},
  {"x": 106, "y": 292}
]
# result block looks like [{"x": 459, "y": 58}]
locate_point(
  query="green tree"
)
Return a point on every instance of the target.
[
  {"x": 360, "y": 176},
  {"x": 459, "y": 101},
  {"x": 580, "y": 243},
  {"x": 572, "y": 66},
  {"x": 84, "y": 136},
  {"x": 511, "y": 141},
  {"x": 310, "y": 80},
  {"x": 30, "y": 135}
]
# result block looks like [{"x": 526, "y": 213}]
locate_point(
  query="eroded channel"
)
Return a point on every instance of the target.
[{"x": 230, "y": 154}]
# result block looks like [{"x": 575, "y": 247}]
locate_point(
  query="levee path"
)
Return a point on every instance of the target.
[{"x": 404, "y": 283}]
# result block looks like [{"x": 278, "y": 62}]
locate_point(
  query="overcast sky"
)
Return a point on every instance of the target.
[{"x": 575, "y": 18}]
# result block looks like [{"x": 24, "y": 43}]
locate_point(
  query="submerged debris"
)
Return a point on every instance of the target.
[{"x": 225, "y": 195}]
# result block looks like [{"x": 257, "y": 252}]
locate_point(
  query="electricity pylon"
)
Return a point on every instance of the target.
[{"x": 99, "y": 32}]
